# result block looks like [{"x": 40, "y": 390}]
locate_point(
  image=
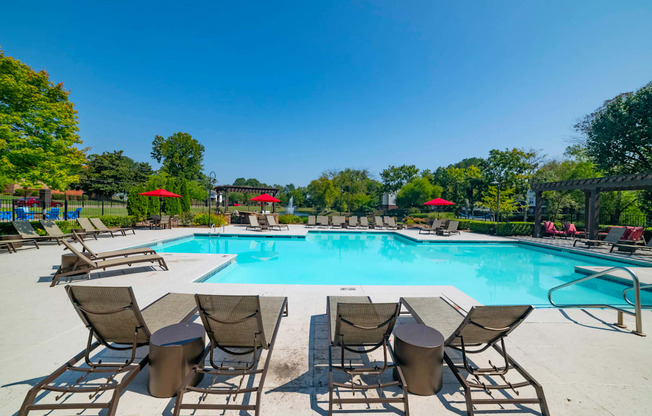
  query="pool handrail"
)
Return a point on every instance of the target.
[{"x": 636, "y": 286}]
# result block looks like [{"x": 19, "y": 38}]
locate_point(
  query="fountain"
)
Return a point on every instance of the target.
[{"x": 290, "y": 208}]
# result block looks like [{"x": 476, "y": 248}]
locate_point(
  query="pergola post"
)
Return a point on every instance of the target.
[
  {"x": 594, "y": 213},
  {"x": 538, "y": 205},
  {"x": 226, "y": 202}
]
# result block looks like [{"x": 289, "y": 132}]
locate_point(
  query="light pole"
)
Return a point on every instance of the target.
[
  {"x": 211, "y": 178},
  {"x": 497, "y": 185}
]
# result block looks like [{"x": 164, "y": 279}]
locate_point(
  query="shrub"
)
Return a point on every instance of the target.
[
  {"x": 119, "y": 220},
  {"x": 58, "y": 197},
  {"x": 202, "y": 219},
  {"x": 503, "y": 228},
  {"x": 19, "y": 192},
  {"x": 186, "y": 218},
  {"x": 290, "y": 219}
]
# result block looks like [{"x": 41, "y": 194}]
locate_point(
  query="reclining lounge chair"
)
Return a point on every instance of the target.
[
  {"x": 337, "y": 221},
  {"x": 322, "y": 221},
  {"x": 433, "y": 228},
  {"x": 483, "y": 327},
  {"x": 613, "y": 237},
  {"x": 84, "y": 265},
  {"x": 364, "y": 222},
  {"x": 390, "y": 223},
  {"x": 271, "y": 223},
  {"x": 27, "y": 232},
  {"x": 110, "y": 254},
  {"x": 359, "y": 326},
  {"x": 451, "y": 228},
  {"x": 114, "y": 319},
  {"x": 253, "y": 224},
  {"x": 104, "y": 229},
  {"x": 378, "y": 222},
  {"x": 237, "y": 325},
  {"x": 311, "y": 221},
  {"x": 85, "y": 223},
  {"x": 353, "y": 222}
]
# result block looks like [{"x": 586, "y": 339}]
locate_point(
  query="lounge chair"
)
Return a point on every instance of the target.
[
  {"x": 337, "y": 221},
  {"x": 322, "y": 221},
  {"x": 103, "y": 228},
  {"x": 482, "y": 328},
  {"x": 236, "y": 325},
  {"x": 571, "y": 231},
  {"x": 353, "y": 222},
  {"x": 27, "y": 232},
  {"x": 390, "y": 223},
  {"x": 613, "y": 237},
  {"x": 311, "y": 221},
  {"x": 73, "y": 215},
  {"x": 53, "y": 214},
  {"x": 271, "y": 223},
  {"x": 433, "y": 228},
  {"x": 253, "y": 224},
  {"x": 632, "y": 248},
  {"x": 111, "y": 254},
  {"x": 84, "y": 265},
  {"x": 549, "y": 229},
  {"x": 53, "y": 230},
  {"x": 114, "y": 319},
  {"x": 10, "y": 245},
  {"x": 378, "y": 222},
  {"x": 364, "y": 222},
  {"x": 451, "y": 228},
  {"x": 23, "y": 214},
  {"x": 359, "y": 326},
  {"x": 85, "y": 223}
]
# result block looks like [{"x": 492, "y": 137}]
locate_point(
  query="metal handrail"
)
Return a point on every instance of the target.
[{"x": 636, "y": 286}]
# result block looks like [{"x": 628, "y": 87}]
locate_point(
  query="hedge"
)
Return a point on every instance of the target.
[
  {"x": 291, "y": 219},
  {"x": 503, "y": 228}
]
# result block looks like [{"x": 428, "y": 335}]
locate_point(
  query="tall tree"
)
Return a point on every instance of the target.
[
  {"x": 112, "y": 172},
  {"x": 180, "y": 154},
  {"x": 38, "y": 128},
  {"x": 394, "y": 177},
  {"x": 619, "y": 134},
  {"x": 416, "y": 192}
]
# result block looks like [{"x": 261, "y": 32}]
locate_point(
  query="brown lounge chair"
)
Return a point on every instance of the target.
[
  {"x": 378, "y": 222},
  {"x": 114, "y": 319},
  {"x": 632, "y": 248},
  {"x": 482, "y": 328},
  {"x": 451, "y": 228},
  {"x": 10, "y": 245},
  {"x": 390, "y": 223},
  {"x": 312, "y": 222},
  {"x": 353, "y": 222},
  {"x": 104, "y": 229},
  {"x": 27, "y": 232},
  {"x": 322, "y": 221},
  {"x": 613, "y": 237},
  {"x": 84, "y": 265},
  {"x": 110, "y": 254},
  {"x": 85, "y": 223},
  {"x": 253, "y": 224},
  {"x": 271, "y": 223},
  {"x": 337, "y": 221},
  {"x": 364, "y": 222},
  {"x": 433, "y": 228},
  {"x": 359, "y": 326},
  {"x": 53, "y": 230},
  {"x": 236, "y": 325}
]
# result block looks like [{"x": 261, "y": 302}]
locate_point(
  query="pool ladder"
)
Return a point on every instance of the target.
[{"x": 636, "y": 287}]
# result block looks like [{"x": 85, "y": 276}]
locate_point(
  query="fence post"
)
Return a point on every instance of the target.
[
  {"x": 65, "y": 209},
  {"x": 13, "y": 209},
  {"x": 102, "y": 207}
]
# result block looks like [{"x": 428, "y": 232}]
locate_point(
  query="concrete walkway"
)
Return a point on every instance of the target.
[{"x": 586, "y": 365}]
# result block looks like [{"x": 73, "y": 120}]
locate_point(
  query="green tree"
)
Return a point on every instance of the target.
[
  {"x": 185, "y": 193},
  {"x": 38, "y": 128},
  {"x": 507, "y": 203},
  {"x": 619, "y": 133},
  {"x": 112, "y": 172},
  {"x": 394, "y": 177},
  {"x": 137, "y": 205},
  {"x": 180, "y": 154},
  {"x": 416, "y": 192},
  {"x": 322, "y": 192}
]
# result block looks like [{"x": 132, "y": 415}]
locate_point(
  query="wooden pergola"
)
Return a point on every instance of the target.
[
  {"x": 591, "y": 188},
  {"x": 226, "y": 189}
]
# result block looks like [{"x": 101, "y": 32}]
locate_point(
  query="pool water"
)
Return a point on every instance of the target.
[{"x": 492, "y": 273}]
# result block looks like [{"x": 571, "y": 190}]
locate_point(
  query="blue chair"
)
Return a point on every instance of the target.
[
  {"x": 53, "y": 214},
  {"x": 73, "y": 215},
  {"x": 22, "y": 213},
  {"x": 5, "y": 215}
]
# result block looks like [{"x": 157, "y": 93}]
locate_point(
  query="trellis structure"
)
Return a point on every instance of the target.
[
  {"x": 591, "y": 188},
  {"x": 226, "y": 189}
]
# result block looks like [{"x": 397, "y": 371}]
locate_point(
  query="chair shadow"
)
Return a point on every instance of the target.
[{"x": 611, "y": 326}]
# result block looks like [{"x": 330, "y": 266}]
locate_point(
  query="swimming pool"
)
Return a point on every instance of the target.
[{"x": 492, "y": 273}]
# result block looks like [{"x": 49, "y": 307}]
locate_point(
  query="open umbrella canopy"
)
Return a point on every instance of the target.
[
  {"x": 265, "y": 198},
  {"x": 439, "y": 201},
  {"x": 161, "y": 193}
]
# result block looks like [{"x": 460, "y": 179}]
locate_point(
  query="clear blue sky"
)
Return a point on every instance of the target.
[{"x": 281, "y": 91}]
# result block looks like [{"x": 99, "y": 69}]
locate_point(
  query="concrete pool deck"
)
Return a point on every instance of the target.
[{"x": 586, "y": 365}]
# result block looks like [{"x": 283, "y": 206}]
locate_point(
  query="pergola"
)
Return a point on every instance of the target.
[
  {"x": 591, "y": 188},
  {"x": 226, "y": 189}
]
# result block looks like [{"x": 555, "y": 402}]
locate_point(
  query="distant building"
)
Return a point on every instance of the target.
[{"x": 388, "y": 200}]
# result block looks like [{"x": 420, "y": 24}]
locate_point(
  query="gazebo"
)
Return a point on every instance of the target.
[
  {"x": 226, "y": 189},
  {"x": 591, "y": 188}
]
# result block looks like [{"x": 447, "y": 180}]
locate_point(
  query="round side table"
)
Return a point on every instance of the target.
[
  {"x": 173, "y": 351},
  {"x": 419, "y": 351}
]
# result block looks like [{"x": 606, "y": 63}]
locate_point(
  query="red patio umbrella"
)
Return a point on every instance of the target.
[
  {"x": 161, "y": 193},
  {"x": 264, "y": 198},
  {"x": 438, "y": 202}
]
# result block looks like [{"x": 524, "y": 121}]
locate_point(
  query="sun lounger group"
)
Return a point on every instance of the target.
[
  {"x": 272, "y": 225},
  {"x": 27, "y": 232},
  {"x": 249, "y": 325},
  {"x": 353, "y": 222}
]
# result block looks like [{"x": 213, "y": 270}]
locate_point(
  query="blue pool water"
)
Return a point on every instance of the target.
[{"x": 504, "y": 273}]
